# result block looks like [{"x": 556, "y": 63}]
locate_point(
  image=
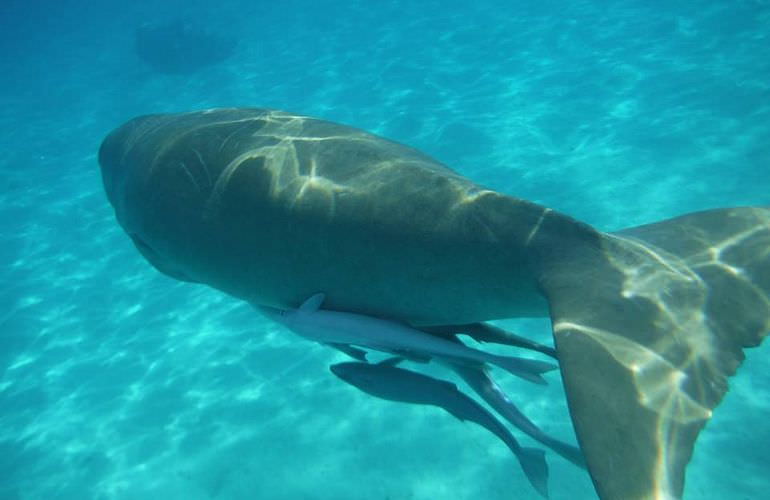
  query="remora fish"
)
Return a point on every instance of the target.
[
  {"x": 271, "y": 207},
  {"x": 385, "y": 380},
  {"x": 479, "y": 380},
  {"x": 336, "y": 327}
]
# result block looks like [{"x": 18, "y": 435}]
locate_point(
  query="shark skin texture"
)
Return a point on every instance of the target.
[{"x": 271, "y": 207}]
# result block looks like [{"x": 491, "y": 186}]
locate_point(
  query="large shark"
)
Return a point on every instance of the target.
[{"x": 272, "y": 207}]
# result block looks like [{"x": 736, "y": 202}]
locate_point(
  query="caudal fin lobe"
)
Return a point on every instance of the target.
[
  {"x": 533, "y": 463},
  {"x": 649, "y": 323}
]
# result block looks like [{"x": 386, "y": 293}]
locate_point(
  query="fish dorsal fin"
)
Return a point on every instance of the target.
[
  {"x": 351, "y": 351},
  {"x": 394, "y": 361},
  {"x": 413, "y": 356},
  {"x": 649, "y": 324},
  {"x": 313, "y": 303}
]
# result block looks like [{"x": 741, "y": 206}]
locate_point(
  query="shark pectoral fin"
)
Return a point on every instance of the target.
[
  {"x": 351, "y": 351},
  {"x": 313, "y": 303},
  {"x": 647, "y": 336}
]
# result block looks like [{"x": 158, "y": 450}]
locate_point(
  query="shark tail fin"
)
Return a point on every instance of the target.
[
  {"x": 649, "y": 324},
  {"x": 533, "y": 463}
]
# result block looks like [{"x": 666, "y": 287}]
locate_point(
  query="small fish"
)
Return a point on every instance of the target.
[
  {"x": 344, "y": 328},
  {"x": 387, "y": 381},
  {"x": 480, "y": 381}
]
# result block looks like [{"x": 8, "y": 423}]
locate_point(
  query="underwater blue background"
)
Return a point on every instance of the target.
[{"x": 119, "y": 383}]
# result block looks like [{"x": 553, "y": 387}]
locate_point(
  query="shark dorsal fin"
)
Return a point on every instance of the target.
[{"x": 313, "y": 303}]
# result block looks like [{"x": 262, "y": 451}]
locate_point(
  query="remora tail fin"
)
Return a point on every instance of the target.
[
  {"x": 649, "y": 323},
  {"x": 533, "y": 463}
]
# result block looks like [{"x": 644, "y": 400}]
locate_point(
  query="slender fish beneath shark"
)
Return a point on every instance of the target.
[{"x": 387, "y": 381}]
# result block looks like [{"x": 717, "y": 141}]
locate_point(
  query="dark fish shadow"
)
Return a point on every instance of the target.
[{"x": 181, "y": 47}]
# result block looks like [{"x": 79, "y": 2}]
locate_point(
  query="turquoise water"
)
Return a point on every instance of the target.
[{"x": 117, "y": 382}]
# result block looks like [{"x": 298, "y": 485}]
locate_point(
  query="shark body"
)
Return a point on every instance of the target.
[{"x": 271, "y": 207}]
